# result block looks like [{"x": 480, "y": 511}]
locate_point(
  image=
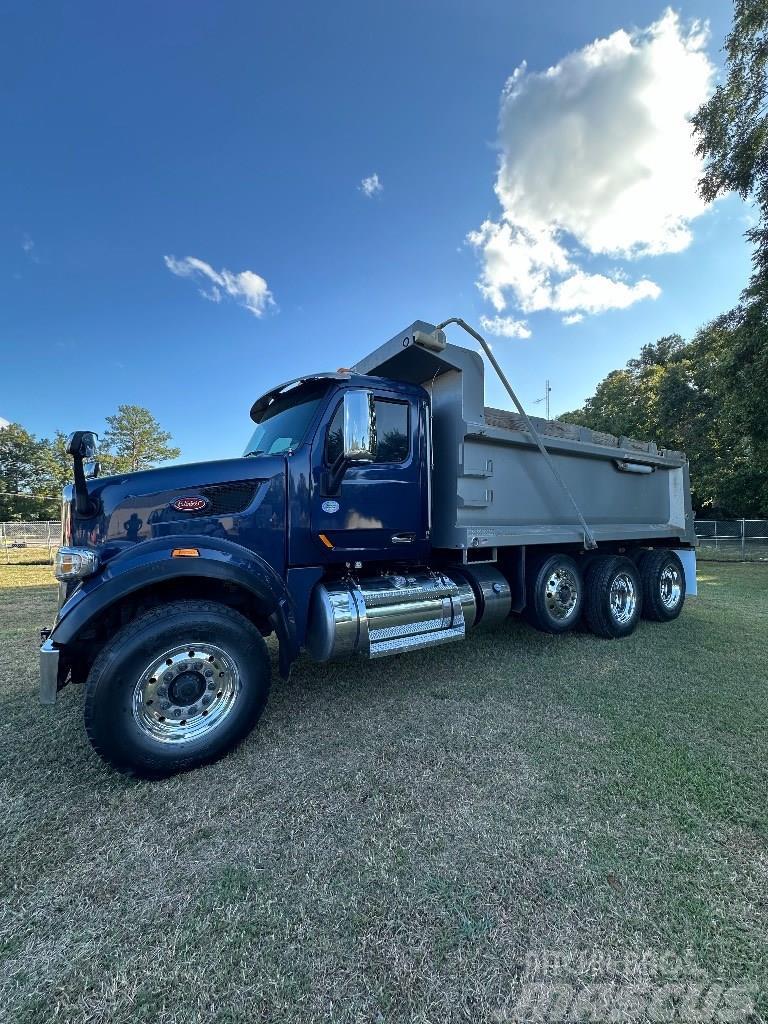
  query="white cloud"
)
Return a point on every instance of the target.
[
  {"x": 28, "y": 247},
  {"x": 573, "y": 318},
  {"x": 247, "y": 288},
  {"x": 597, "y": 159},
  {"x": 505, "y": 326},
  {"x": 371, "y": 185}
]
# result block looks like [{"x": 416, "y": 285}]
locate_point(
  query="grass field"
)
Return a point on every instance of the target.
[
  {"x": 27, "y": 556},
  {"x": 404, "y": 839}
]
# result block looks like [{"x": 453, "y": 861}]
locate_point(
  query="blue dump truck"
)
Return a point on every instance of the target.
[{"x": 375, "y": 511}]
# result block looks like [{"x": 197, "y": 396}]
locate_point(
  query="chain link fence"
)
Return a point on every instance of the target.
[
  {"x": 733, "y": 540},
  {"x": 721, "y": 540},
  {"x": 29, "y": 543}
]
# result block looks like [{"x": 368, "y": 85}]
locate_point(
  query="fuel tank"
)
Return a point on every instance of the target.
[{"x": 391, "y": 613}]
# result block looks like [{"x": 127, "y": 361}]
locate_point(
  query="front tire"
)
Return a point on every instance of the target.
[
  {"x": 613, "y": 596},
  {"x": 555, "y": 592},
  {"x": 176, "y": 688},
  {"x": 662, "y": 578}
]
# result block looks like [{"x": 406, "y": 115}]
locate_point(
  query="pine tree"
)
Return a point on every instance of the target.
[{"x": 134, "y": 440}]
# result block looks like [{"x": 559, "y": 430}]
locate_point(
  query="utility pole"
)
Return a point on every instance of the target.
[{"x": 545, "y": 399}]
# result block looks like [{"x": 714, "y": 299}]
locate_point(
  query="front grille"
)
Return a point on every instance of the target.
[{"x": 228, "y": 499}]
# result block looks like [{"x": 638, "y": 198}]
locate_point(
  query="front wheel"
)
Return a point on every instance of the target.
[{"x": 179, "y": 686}]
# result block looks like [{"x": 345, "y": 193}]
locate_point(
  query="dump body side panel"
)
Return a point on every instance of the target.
[{"x": 504, "y": 493}]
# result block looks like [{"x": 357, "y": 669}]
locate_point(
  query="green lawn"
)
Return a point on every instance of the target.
[{"x": 400, "y": 840}]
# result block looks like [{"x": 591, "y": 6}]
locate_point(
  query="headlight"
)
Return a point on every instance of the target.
[{"x": 75, "y": 563}]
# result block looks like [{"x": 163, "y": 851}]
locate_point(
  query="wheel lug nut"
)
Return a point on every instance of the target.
[
  {"x": 208, "y": 672},
  {"x": 197, "y": 666},
  {"x": 211, "y": 685},
  {"x": 162, "y": 691},
  {"x": 193, "y": 710},
  {"x": 176, "y": 711},
  {"x": 168, "y": 677},
  {"x": 206, "y": 701},
  {"x": 164, "y": 705}
]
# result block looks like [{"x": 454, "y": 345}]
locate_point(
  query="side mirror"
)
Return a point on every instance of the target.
[
  {"x": 358, "y": 438},
  {"x": 359, "y": 427}
]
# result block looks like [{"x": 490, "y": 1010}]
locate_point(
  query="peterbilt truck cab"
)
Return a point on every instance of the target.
[{"x": 373, "y": 511}]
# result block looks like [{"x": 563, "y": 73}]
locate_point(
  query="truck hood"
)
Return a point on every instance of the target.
[{"x": 202, "y": 498}]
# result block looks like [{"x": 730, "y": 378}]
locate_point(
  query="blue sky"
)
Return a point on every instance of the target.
[{"x": 239, "y": 134}]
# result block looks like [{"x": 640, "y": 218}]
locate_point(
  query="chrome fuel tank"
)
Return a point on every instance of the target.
[{"x": 388, "y": 614}]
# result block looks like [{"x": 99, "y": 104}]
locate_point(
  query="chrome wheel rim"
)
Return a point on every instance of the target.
[
  {"x": 186, "y": 692},
  {"x": 561, "y": 594},
  {"x": 670, "y": 587},
  {"x": 623, "y": 598}
]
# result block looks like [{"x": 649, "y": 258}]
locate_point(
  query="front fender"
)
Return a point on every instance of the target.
[{"x": 151, "y": 562}]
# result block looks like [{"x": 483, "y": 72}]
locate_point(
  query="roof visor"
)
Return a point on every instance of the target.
[{"x": 313, "y": 382}]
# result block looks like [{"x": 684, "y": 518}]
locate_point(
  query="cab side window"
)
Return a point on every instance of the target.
[{"x": 392, "y": 433}]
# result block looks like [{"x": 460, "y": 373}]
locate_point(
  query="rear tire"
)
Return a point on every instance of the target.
[
  {"x": 613, "y": 596},
  {"x": 176, "y": 688},
  {"x": 555, "y": 593},
  {"x": 662, "y": 578}
]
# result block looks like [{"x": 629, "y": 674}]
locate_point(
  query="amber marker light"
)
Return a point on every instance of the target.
[
  {"x": 325, "y": 540},
  {"x": 185, "y": 553}
]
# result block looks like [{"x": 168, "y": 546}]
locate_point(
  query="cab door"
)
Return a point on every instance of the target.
[{"x": 379, "y": 510}]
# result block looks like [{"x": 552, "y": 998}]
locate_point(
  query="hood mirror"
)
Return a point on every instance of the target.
[{"x": 83, "y": 445}]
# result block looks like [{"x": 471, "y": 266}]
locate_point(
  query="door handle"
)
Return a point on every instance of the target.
[{"x": 403, "y": 538}]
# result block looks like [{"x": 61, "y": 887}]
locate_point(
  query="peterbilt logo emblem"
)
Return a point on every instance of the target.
[{"x": 191, "y": 503}]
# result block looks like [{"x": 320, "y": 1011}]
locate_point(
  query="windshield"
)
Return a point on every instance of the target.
[{"x": 284, "y": 422}]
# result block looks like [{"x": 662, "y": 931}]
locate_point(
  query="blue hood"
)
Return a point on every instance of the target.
[{"x": 237, "y": 499}]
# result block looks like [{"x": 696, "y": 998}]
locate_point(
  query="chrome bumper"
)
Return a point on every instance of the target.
[{"x": 49, "y": 673}]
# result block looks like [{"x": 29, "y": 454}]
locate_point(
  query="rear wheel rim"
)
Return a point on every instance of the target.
[
  {"x": 622, "y": 598},
  {"x": 561, "y": 594},
  {"x": 670, "y": 587},
  {"x": 185, "y": 693}
]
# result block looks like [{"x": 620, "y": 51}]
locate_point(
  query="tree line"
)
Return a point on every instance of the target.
[
  {"x": 33, "y": 470},
  {"x": 709, "y": 396}
]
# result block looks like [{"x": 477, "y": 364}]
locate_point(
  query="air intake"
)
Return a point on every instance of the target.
[{"x": 228, "y": 499}]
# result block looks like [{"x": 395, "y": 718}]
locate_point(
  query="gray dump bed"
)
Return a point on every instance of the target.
[{"x": 491, "y": 487}]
